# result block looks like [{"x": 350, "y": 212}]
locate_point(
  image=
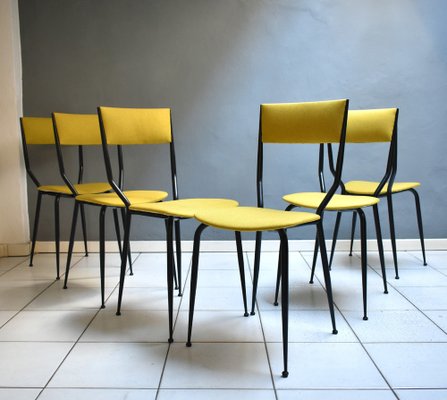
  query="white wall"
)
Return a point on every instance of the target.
[{"x": 14, "y": 228}]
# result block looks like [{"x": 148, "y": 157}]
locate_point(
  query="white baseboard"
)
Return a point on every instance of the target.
[{"x": 227, "y": 245}]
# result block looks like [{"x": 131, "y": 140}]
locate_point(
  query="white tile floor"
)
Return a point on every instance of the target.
[{"x": 58, "y": 344}]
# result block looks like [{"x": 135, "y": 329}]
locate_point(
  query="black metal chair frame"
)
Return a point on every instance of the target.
[
  {"x": 57, "y": 197},
  {"x": 283, "y": 264},
  {"x": 389, "y": 178},
  {"x": 171, "y": 224},
  {"x": 80, "y": 205}
]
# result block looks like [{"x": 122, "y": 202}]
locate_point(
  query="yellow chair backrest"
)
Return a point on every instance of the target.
[
  {"x": 77, "y": 129},
  {"x": 124, "y": 126},
  {"x": 38, "y": 130},
  {"x": 366, "y": 126},
  {"x": 310, "y": 122}
]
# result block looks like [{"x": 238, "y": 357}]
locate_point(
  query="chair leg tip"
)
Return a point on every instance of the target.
[
  {"x": 65, "y": 287},
  {"x": 188, "y": 344},
  {"x": 311, "y": 282},
  {"x": 276, "y": 304},
  {"x": 425, "y": 264},
  {"x": 180, "y": 294},
  {"x": 252, "y": 313},
  {"x": 385, "y": 292},
  {"x": 396, "y": 277},
  {"x": 285, "y": 374},
  {"x": 58, "y": 278},
  {"x": 30, "y": 265},
  {"x": 334, "y": 332},
  {"x": 103, "y": 306},
  {"x": 365, "y": 318},
  {"x": 246, "y": 314},
  {"x": 170, "y": 340},
  {"x": 118, "y": 313}
]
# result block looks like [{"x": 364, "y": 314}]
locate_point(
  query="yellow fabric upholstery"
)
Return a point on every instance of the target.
[
  {"x": 184, "y": 208},
  {"x": 137, "y": 125},
  {"x": 38, "y": 130},
  {"x": 311, "y": 122},
  {"x": 338, "y": 202},
  {"x": 366, "y": 126},
  {"x": 252, "y": 219},
  {"x": 77, "y": 129},
  {"x": 81, "y": 188},
  {"x": 112, "y": 199},
  {"x": 368, "y": 188}
]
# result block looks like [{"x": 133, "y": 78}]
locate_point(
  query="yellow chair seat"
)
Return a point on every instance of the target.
[
  {"x": 184, "y": 208},
  {"x": 112, "y": 199},
  {"x": 81, "y": 188},
  {"x": 252, "y": 219},
  {"x": 368, "y": 188},
  {"x": 338, "y": 202}
]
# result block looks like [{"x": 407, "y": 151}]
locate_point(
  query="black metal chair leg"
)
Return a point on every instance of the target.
[
  {"x": 117, "y": 230},
  {"x": 102, "y": 253},
  {"x": 129, "y": 251},
  {"x": 74, "y": 220},
  {"x": 314, "y": 260},
  {"x": 84, "y": 229},
  {"x": 278, "y": 277},
  {"x": 392, "y": 233},
  {"x": 240, "y": 258},
  {"x": 178, "y": 251},
  {"x": 170, "y": 275},
  {"x": 127, "y": 223},
  {"x": 194, "y": 276},
  {"x": 327, "y": 275},
  {"x": 256, "y": 271},
  {"x": 334, "y": 237},
  {"x": 35, "y": 228},
  {"x": 57, "y": 239},
  {"x": 380, "y": 246},
  {"x": 284, "y": 249},
  {"x": 419, "y": 219},
  {"x": 354, "y": 221},
  {"x": 364, "y": 260}
]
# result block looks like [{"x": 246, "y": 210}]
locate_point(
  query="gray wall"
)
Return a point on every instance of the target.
[{"x": 214, "y": 61}]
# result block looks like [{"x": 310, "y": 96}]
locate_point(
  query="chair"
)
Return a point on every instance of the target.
[
  {"x": 83, "y": 130},
  {"x": 380, "y": 125},
  {"x": 136, "y": 126},
  {"x": 342, "y": 203},
  {"x": 312, "y": 122},
  {"x": 39, "y": 131}
]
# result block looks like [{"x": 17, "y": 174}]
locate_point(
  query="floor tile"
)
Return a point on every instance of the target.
[
  {"x": 218, "y": 394},
  {"x": 336, "y": 394},
  {"x": 216, "y": 260},
  {"x": 142, "y": 298},
  {"x": 6, "y": 263},
  {"x": 19, "y": 394},
  {"x": 426, "y": 298},
  {"x": 46, "y": 326},
  {"x": 301, "y": 297},
  {"x": 325, "y": 366},
  {"x": 130, "y": 326},
  {"x": 222, "y": 326},
  {"x": 212, "y": 298},
  {"x": 411, "y": 365},
  {"x": 422, "y": 394},
  {"x": 306, "y": 326},
  {"x": 98, "y": 394},
  {"x": 28, "y": 364},
  {"x": 436, "y": 259},
  {"x": 14, "y": 295},
  {"x": 405, "y": 261},
  {"x": 395, "y": 326},
  {"x": 426, "y": 276},
  {"x": 439, "y": 318},
  {"x": 212, "y": 366},
  {"x": 112, "y": 365},
  {"x": 5, "y": 316},
  {"x": 75, "y": 297}
]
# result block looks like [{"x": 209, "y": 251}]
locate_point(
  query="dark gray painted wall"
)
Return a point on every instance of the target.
[{"x": 214, "y": 61}]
